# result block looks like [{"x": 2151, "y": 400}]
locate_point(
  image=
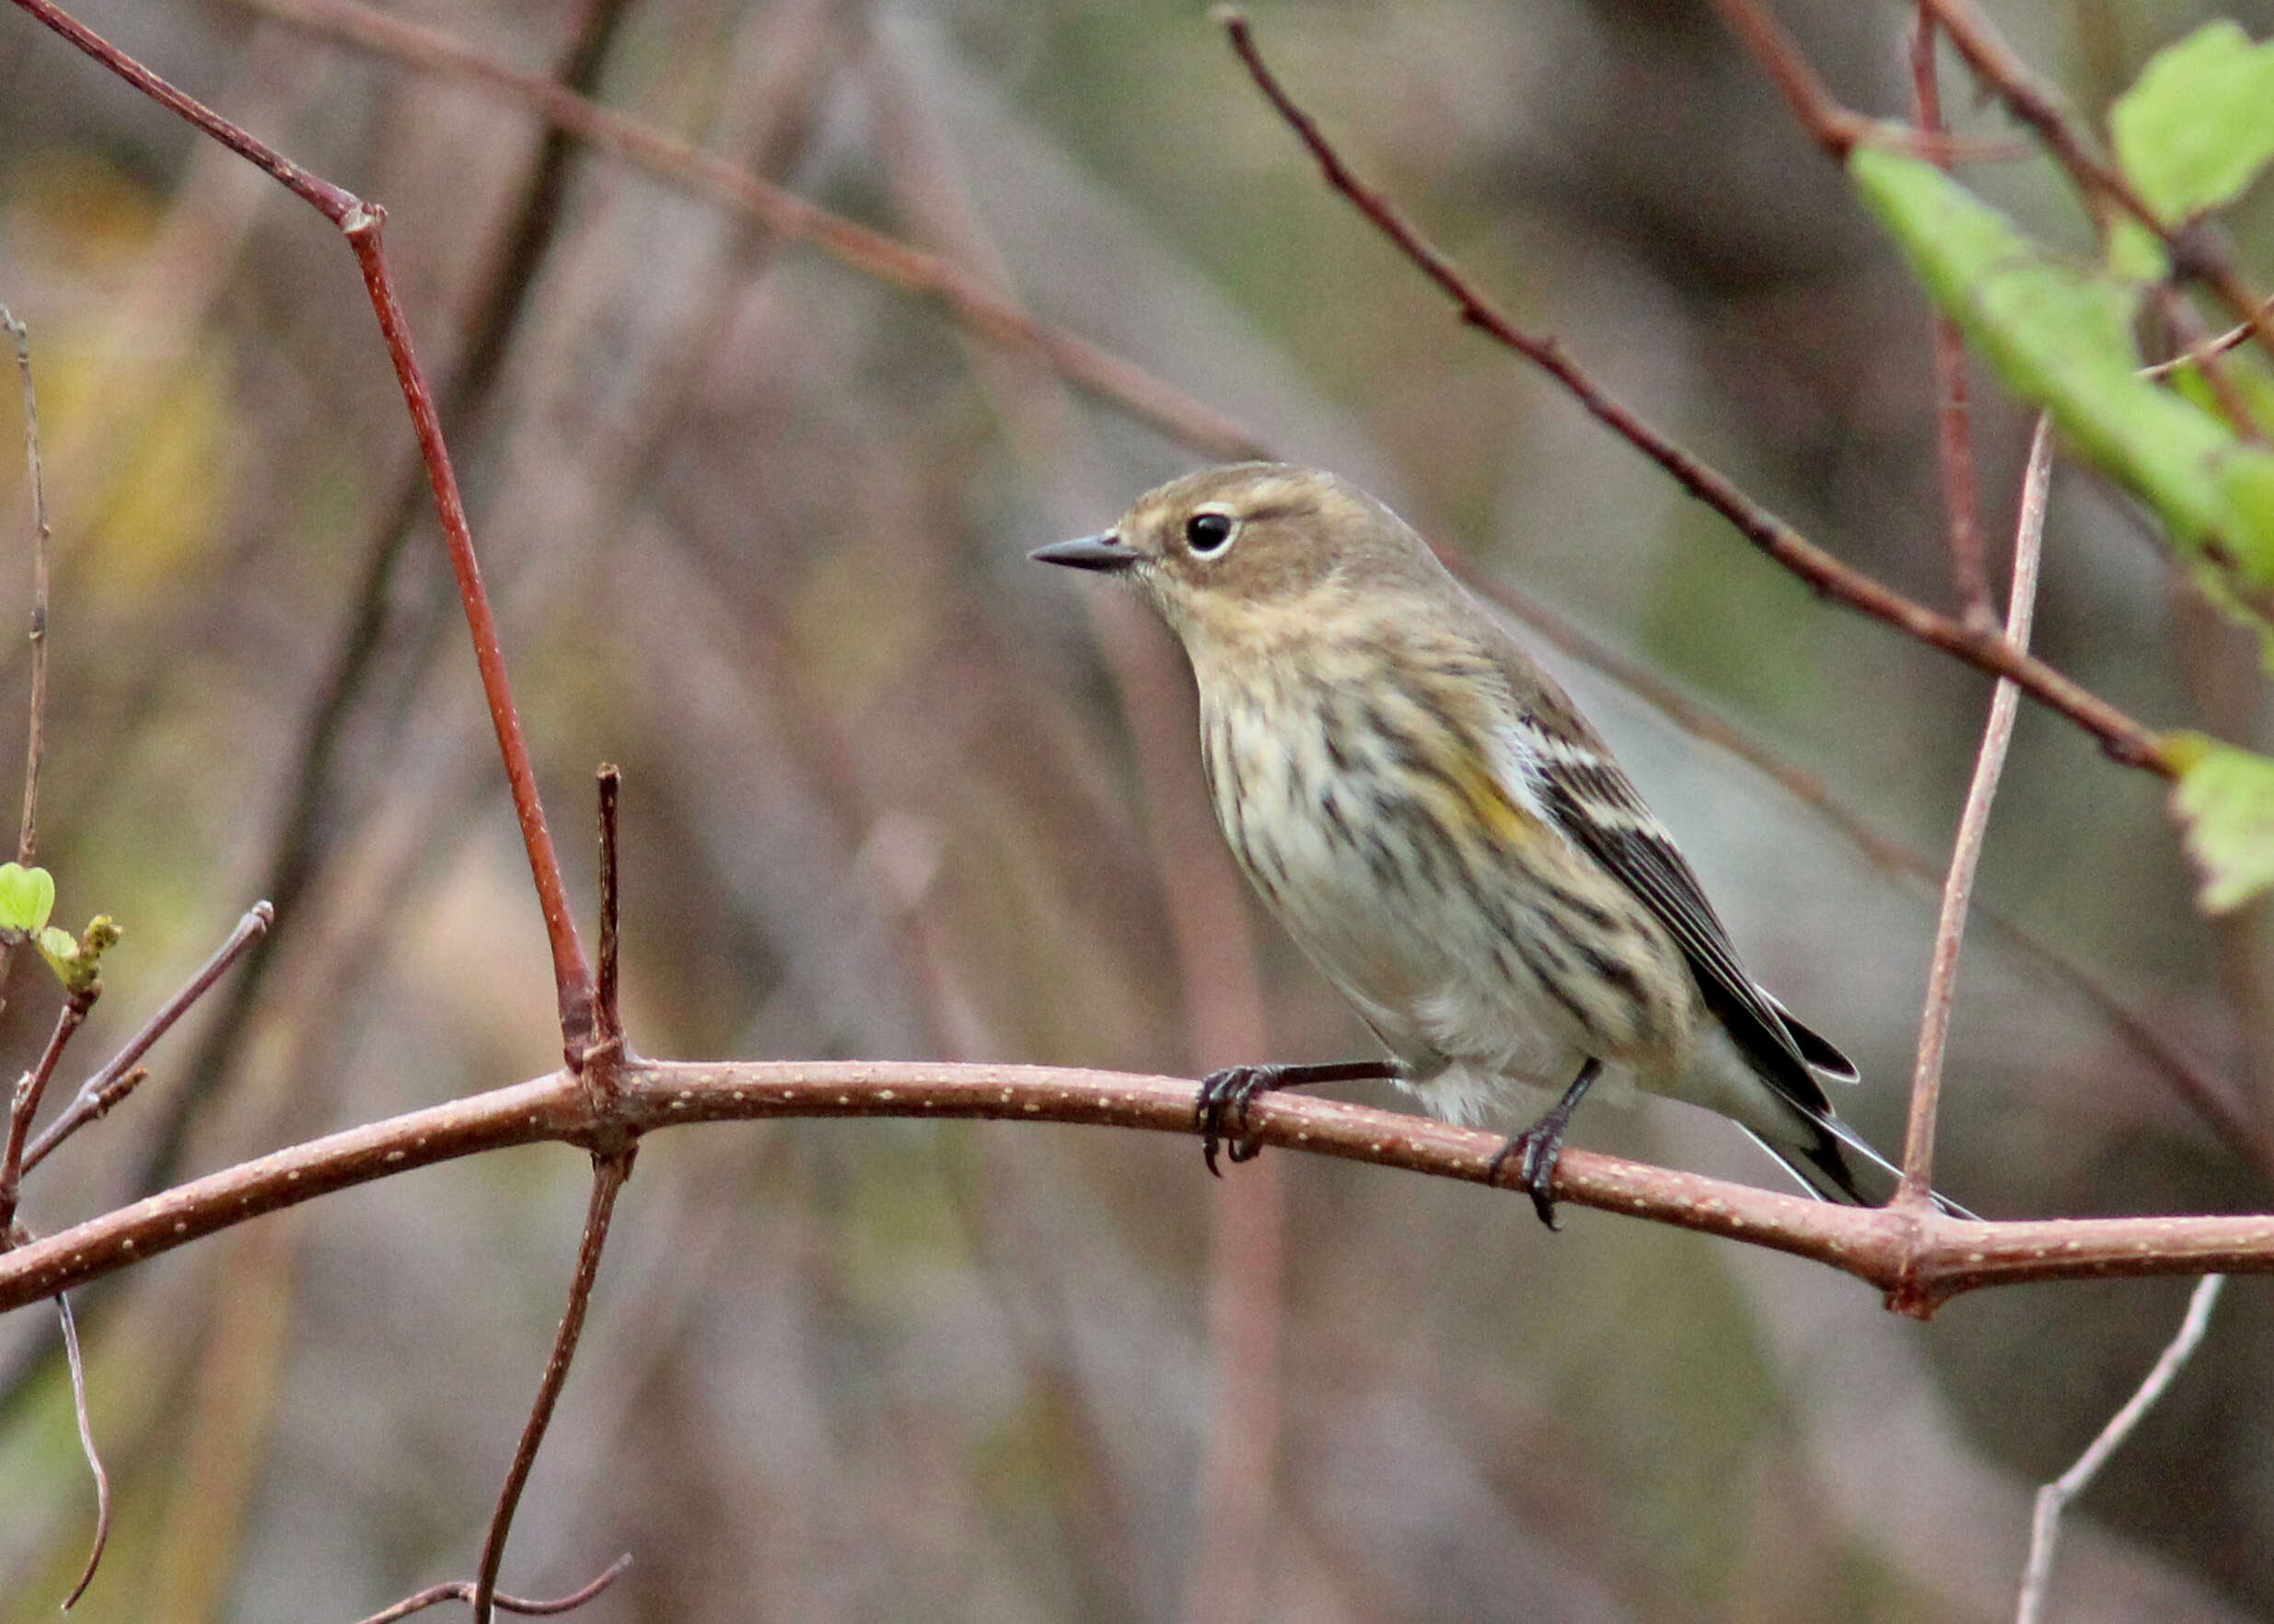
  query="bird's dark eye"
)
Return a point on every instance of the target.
[{"x": 1207, "y": 532}]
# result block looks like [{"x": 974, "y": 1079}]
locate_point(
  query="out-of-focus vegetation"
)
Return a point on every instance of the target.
[{"x": 756, "y": 527}]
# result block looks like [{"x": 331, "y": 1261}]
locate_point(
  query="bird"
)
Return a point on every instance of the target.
[{"x": 1449, "y": 840}]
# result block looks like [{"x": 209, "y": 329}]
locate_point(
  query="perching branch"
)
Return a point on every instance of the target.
[{"x": 1921, "y": 1259}]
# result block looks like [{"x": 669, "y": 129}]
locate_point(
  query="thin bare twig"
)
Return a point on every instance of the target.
[
  {"x": 361, "y": 224},
  {"x": 2199, "y": 349},
  {"x": 116, "y": 1079},
  {"x": 1830, "y": 125},
  {"x": 2054, "y": 1498},
  {"x": 609, "y": 1174},
  {"x": 305, "y": 829},
  {"x": 25, "y": 1105},
  {"x": 35, "y": 748},
  {"x": 35, "y": 743},
  {"x": 463, "y": 1590},
  {"x": 1953, "y": 439},
  {"x": 86, "y": 1447},
  {"x": 1926, "y": 1087},
  {"x": 2124, "y": 739},
  {"x": 2235, "y": 338}
]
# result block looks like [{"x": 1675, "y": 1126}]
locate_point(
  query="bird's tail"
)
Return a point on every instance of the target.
[
  {"x": 1827, "y": 1166},
  {"x": 1826, "y": 1162}
]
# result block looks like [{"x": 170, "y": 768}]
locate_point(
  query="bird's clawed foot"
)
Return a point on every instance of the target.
[
  {"x": 1534, "y": 1150},
  {"x": 1224, "y": 1097},
  {"x": 1541, "y": 1143}
]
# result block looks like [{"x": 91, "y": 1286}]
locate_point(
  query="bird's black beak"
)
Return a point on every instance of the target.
[{"x": 1107, "y": 553}]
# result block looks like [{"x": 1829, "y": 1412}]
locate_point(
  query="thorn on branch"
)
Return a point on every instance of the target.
[{"x": 607, "y": 1016}]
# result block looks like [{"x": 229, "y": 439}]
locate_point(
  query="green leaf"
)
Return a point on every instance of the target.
[
  {"x": 27, "y": 897},
  {"x": 2225, "y": 800},
  {"x": 78, "y": 964},
  {"x": 2059, "y": 335},
  {"x": 2198, "y": 125}
]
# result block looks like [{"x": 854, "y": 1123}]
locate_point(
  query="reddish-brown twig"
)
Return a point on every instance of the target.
[
  {"x": 109, "y": 1085},
  {"x": 1831, "y": 126},
  {"x": 1973, "y": 826},
  {"x": 361, "y": 224},
  {"x": 609, "y": 1021},
  {"x": 1920, "y": 1259},
  {"x": 463, "y": 1590},
  {"x": 2123, "y": 738},
  {"x": 2202, "y": 351},
  {"x": 25, "y": 1104},
  {"x": 609, "y": 1174},
  {"x": 1953, "y": 439}
]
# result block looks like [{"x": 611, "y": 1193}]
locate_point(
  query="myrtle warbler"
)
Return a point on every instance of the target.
[{"x": 1446, "y": 837}]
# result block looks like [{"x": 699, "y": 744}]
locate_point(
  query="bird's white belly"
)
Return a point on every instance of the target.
[{"x": 1444, "y": 989}]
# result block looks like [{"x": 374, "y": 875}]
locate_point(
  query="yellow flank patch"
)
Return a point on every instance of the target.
[{"x": 1488, "y": 802}]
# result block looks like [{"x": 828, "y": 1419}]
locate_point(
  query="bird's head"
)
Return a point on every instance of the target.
[{"x": 1246, "y": 555}]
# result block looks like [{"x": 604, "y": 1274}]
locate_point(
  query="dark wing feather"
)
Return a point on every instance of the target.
[{"x": 1591, "y": 802}]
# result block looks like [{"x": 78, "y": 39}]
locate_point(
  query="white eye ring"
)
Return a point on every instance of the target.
[{"x": 1210, "y": 531}]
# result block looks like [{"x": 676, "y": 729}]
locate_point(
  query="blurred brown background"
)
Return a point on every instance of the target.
[{"x": 755, "y": 526}]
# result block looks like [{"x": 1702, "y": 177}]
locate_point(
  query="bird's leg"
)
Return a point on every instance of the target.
[
  {"x": 1541, "y": 1143},
  {"x": 1228, "y": 1093}
]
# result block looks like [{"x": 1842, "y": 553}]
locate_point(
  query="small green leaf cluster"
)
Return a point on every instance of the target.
[
  {"x": 2189, "y": 137},
  {"x": 27, "y": 898}
]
